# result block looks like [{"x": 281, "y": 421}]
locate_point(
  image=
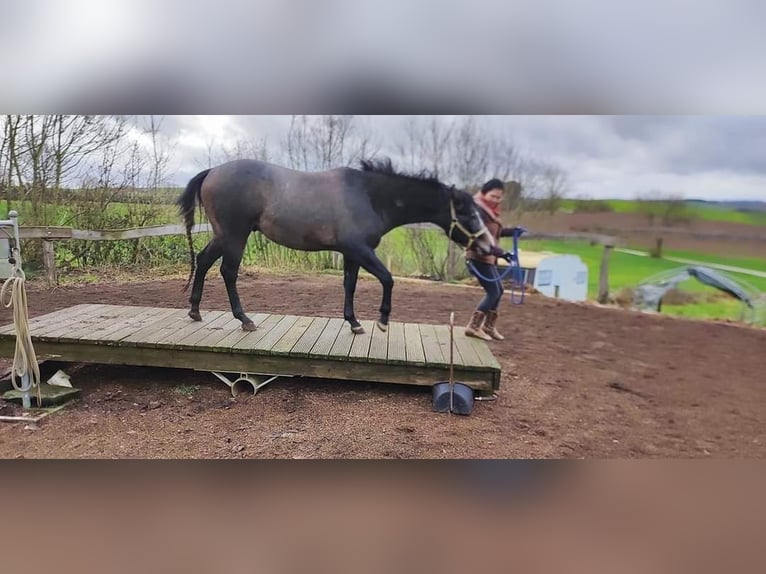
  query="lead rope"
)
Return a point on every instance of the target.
[
  {"x": 25, "y": 364},
  {"x": 513, "y": 269}
]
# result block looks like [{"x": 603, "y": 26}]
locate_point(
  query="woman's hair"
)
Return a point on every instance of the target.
[{"x": 492, "y": 184}]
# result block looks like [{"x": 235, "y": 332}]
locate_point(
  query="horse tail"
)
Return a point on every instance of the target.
[{"x": 186, "y": 204}]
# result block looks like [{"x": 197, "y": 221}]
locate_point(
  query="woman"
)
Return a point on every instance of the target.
[{"x": 482, "y": 324}]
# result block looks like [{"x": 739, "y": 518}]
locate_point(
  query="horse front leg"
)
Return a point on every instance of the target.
[
  {"x": 232, "y": 259},
  {"x": 370, "y": 262},
  {"x": 350, "y": 277}
]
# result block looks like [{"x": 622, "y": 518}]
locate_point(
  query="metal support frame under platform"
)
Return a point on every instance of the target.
[{"x": 246, "y": 381}]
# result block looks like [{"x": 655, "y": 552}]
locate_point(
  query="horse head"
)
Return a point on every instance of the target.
[{"x": 466, "y": 226}]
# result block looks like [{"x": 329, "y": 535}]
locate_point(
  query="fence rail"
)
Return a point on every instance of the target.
[
  {"x": 63, "y": 233},
  {"x": 50, "y": 234}
]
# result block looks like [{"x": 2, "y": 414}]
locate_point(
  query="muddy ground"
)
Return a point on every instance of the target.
[{"x": 578, "y": 381}]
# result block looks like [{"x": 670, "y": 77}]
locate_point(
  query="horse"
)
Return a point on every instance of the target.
[{"x": 346, "y": 210}]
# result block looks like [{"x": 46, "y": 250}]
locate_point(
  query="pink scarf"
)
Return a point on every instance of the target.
[{"x": 481, "y": 202}]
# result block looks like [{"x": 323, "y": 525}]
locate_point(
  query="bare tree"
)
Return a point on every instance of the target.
[
  {"x": 425, "y": 144},
  {"x": 554, "y": 185},
  {"x": 669, "y": 207},
  {"x": 160, "y": 152},
  {"x": 469, "y": 152},
  {"x": 42, "y": 154},
  {"x": 247, "y": 147},
  {"x": 323, "y": 142},
  {"x": 10, "y": 173},
  {"x": 544, "y": 184}
]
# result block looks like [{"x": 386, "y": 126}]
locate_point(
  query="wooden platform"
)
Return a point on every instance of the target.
[{"x": 408, "y": 353}]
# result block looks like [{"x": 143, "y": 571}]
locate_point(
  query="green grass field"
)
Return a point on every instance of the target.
[
  {"x": 753, "y": 263},
  {"x": 627, "y": 271},
  {"x": 694, "y": 210},
  {"x": 70, "y": 215}
]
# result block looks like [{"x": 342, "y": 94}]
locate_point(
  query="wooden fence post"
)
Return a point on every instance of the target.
[
  {"x": 49, "y": 260},
  {"x": 603, "y": 281}
]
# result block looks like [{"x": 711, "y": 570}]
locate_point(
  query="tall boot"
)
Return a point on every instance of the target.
[
  {"x": 489, "y": 326},
  {"x": 474, "y": 327}
]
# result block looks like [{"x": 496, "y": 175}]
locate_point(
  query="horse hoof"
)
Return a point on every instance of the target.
[
  {"x": 195, "y": 315},
  {"x": 381, "y": 326},
  {"x": 248, "y": 326},
  {"x": 357, "y": 330}
]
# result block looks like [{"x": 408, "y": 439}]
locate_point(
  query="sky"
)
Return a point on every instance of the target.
[{"x": 699, "y": 157}]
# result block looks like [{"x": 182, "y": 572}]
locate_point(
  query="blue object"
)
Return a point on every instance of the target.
[
  {"x": 514, "y": 269},
  {"x": 460, "y": 401}
]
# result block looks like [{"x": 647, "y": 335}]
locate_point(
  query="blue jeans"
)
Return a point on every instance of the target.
[{"x": 493, "y": 289}]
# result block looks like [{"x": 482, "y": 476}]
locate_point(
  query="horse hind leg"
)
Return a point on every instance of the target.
[
  {"x": 232, "y": 259},
  {"x": 205, "y": 259},
  {"x": 350, "y": 277}
]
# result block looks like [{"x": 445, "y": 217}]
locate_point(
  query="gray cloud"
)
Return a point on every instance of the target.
[
  {"x": 689, "y": 144},
  {"x": 606, "y": 156}
]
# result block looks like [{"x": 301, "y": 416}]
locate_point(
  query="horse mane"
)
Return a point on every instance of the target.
[{"x": 385, "y": 167}]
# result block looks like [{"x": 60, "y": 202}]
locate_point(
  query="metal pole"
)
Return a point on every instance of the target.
[{"x": 15, "y": 259}]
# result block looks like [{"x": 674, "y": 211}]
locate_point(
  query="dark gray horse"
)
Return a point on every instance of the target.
[{"x": 345, "y": 210}]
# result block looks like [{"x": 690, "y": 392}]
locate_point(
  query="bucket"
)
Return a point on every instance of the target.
[{"x": 451, "y": 396}]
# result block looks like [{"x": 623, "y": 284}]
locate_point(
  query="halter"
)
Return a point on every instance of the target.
[{"x": 455, "y": 223}]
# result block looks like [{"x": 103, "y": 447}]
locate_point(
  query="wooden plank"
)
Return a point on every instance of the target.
[
  {"x": 343, "y": 342},
  {"x": 86, "y": 315},
  {"x": 84, "y": 320},
  {"x": 44, "y": 232},
  {"x": 171, "y": 339},
  {"x": 360, "y": 348},
  {"x": 442, "y": 335},
  {"x": 154, "y": 332},
  {"x": 163, "y": 331},
  {"x": 252, "y": 337},
  {"x": 483, "y": 352},
  {"x": 467, "y": 353},
  {"x": 137, "y": 232},
  {"x": 236, "y": 334},
  {"x": 153, "y": 318},
  {"x": 413, "y": 344},
  {"x": 308, "y": 346},
  {"x": 324, "y": 343},
  {"x": 303, "y": 346},
  {"x": 291, "y": 337},
  {"x": 265, "y": 344},
  {"x": 431, "y": 348},
  {"x": 208, "y": 328},
  {"x": 40, "y": 319},
  {"x": 106, "y": 321},
  {"x": 217, "y": 332},
  {"x": 42, "y": 326},
  {"x": 378, "y": 346},
  {"x": 397, "y": 353},
  {"x": 319, "y": 367}
]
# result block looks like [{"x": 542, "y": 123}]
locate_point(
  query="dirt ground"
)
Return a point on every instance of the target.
[{"x": 579, "y": 381}]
